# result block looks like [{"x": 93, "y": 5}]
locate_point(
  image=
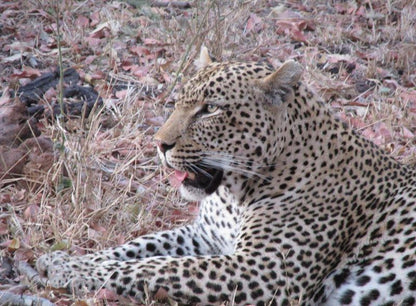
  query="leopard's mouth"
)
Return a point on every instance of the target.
[{"x": 204, "y": 178}]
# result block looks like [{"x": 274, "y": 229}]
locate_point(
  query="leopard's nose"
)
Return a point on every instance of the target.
[{"x": 163, "y": 146}]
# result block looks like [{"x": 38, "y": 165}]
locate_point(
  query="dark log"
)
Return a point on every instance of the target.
[
  {"x": 89, "y": 98},
  {"x": 33, "y": 91}
]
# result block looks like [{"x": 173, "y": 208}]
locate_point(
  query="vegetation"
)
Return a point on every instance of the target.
[{"x": 100, "y": 184}]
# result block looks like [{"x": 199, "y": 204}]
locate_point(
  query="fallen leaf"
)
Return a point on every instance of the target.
[
  {"x": 50, "y": 94},
  {"x": 89, "y": 59},
  {"x": 93, "y": 42},
  {"x": 139, "y": 71},
  {"x": 97, "y": 75},
  {"x": 406, "y": 133},
  {"x": 98, "y": 228},
  {"x": 31, "y": 212},
  {"x": 252, "y": 23},
  {"x": 166, "y": 77},
  {"x": 5, "y": 97},
  {"x": 152, "y": 42},
  {"x": 82, "y": 21},
  {"x": 13, "y": 58},
  {"x": 293, "y": 28},
  {"x": 100, "y": 33},
  {"x": 107, "y": 294},
  {"x": 20, "y": 195},
  {"x": 95, "y": 18},
  {"x": 13, "y": 244},
  {"x": 27, "y": 72},
  {"x": 5, "y": 198},
  {"x": 121, "y": 94},
  {"x": 155, "y": 121},
  {"x": 19, "y": 46},
  {"x": 60, "y": 245},
  {"x": 139, "y": 50},
  {"x": 4, "y": 228},
  {"x": 23, "y": 254},
  {"x": 361, "y": 11}
]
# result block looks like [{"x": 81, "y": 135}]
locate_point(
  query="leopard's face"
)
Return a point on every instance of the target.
[{"x": 223, "y": 128}]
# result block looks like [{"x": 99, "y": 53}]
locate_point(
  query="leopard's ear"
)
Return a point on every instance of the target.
[
  {"x": 204, "y": 58},
  {"x": 286, "y": 76},
  {"x": 278, "y": 86}
]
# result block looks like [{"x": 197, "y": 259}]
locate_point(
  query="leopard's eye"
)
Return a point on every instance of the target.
[{"x": 210, "y": 108}]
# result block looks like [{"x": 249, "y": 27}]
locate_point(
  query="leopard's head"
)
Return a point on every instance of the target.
[{"x": 225, "y": 125}]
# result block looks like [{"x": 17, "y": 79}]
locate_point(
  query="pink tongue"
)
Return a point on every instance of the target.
[
  {"x": 180, "y": 175},
  {"x": 177, "y": 179}
]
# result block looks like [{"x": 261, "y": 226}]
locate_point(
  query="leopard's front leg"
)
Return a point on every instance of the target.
[
  {"x": 218, "y": 213},
  {"x": 189, "y": 280}
]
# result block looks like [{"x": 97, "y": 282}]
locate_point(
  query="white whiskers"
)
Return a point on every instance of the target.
[
  {"x": 236, "y": 164},
  {"x": 197, "y": 169}
]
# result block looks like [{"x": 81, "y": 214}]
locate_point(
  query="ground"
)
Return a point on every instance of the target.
[{"x": 93, "y": 182}]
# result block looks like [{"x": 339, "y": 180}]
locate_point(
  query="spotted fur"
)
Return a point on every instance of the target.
[{"x": 307, "y": 212}]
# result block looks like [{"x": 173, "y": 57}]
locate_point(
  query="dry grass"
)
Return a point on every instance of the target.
[{"x": 105, "y": 186}]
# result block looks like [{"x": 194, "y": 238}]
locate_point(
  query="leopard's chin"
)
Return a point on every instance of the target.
[
  {"x": 201, "y": 183},
  {"x": 206, "y": 179}
]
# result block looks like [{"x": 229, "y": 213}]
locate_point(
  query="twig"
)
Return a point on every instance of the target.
[
  {"x": 185, "y": 56},
  {"x": 176, "y": 4},
  {"x": 60, "y": 64},
  {"x": 12, "y": 299}
]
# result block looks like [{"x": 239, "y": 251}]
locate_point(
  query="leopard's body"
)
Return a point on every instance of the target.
[{"x": 295, "y": 207}]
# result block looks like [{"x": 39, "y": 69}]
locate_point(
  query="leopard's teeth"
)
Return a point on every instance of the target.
[{"x": 191, "y": 175}]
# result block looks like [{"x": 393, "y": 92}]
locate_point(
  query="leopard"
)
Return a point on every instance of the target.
[{"x": 295, "y": 207}]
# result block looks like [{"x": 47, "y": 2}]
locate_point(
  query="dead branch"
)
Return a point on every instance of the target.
[
  {"x": 12, "y": 299},
  {"x": 175, "y": 4},
  {"x": 33, "y": 91},
  {"x": 32, "y": 275}
]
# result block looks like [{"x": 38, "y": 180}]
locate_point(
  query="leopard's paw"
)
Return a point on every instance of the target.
[
  {"x": 62, "y": 271},
  {"x": 55, "y": 268},
  {"x": 47, "y": 261}
]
